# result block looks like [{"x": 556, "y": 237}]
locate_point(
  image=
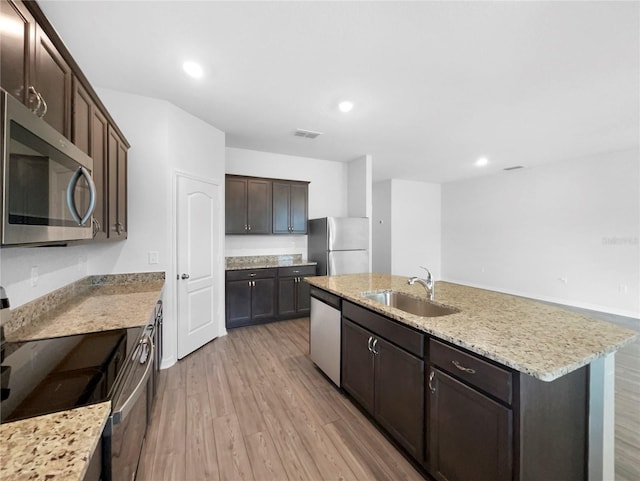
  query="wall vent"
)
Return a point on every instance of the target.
[
  {"x": 307, "y": 134},
  {"x": 515, "y": 167}
]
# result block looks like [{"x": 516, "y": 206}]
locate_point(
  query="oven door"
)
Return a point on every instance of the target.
[
  {"x": 48, "y": 195},
  {"x": 127, "y": 425}
]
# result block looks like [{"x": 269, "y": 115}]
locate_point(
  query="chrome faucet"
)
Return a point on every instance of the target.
[{"x": 428, "y": 283}]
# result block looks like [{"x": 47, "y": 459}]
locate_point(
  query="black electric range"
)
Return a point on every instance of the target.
[{"x": 56, "y": 374}]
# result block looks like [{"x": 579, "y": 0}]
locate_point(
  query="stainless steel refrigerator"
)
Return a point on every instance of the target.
[{"x": 340, "y": 245}]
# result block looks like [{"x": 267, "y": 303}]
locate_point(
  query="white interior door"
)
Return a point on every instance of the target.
[{"x": 198, "y": 247}]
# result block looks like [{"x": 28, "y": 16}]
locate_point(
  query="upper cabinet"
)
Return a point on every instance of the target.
[
  {"x": 290, "y": 207},
  {"x": 265, "y": 206},
  {"x": 39, "y": 71},
  {"x": 247, "y": 205}
]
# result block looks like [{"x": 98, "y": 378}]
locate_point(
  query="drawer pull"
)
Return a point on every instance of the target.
[
  {"x": 431, "y": 388},
  {"x": 462, "y": 368},
  {"x": 369, "y": 343},
  {"x": 253, "y": 274}
]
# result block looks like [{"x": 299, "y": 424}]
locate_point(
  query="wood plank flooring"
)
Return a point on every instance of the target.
[{"x": 252, "y": 406}]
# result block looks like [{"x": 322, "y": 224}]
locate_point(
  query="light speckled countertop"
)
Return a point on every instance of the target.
[
  {"x": 93, "y": 304},
  {"x": 543, "y": 341},
  {"x": 262, "y": 262},
  {"x": 56, "y": 446}
]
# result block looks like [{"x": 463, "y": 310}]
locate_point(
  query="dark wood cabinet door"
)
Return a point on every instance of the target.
[
  {"x": 16, "y": 50},
  {"x": 263, "y": 299},
  {"x": 470, "y": 435},
  {"x": 235, "y": 205},
  {"x": 238, "y": 303},
  {"x": 99, "y": 136},
  {"x": 82, "y": 118},
  {"x": 122, "y": 202},
  {"x": 281, "y": 203},
  {"x": 303, "y": 298},
  {"x": 52, "y": 79},
  {"x": 298, "y": 209},
  {"x": 117, "y": 186},
  {"x": 399, "y": 395},
  {"x": 258, "y": 206},
  {"x": 357, "y": 364},
  {"x": 287, "y": 287}
]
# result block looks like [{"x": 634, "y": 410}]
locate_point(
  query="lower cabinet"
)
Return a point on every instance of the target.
[
  {"x": 294, "y": 295},
  {"x": 250, "y": 296},
  {"x": 385, "y": 379},
  {"x": 469, "y": 433}
]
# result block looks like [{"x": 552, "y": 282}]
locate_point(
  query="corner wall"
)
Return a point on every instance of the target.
[{"x": 565, "y": 232}]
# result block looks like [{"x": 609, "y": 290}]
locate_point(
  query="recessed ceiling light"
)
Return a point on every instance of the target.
[
  {"x": 193, "y": 69},
  {"x": 345, "y": 106},
  {"x": 482, "y": 161}
]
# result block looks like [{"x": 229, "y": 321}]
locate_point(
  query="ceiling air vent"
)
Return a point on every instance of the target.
[
  {"x": 515, "y": 167},
  {"x": 307, "y": 134}
]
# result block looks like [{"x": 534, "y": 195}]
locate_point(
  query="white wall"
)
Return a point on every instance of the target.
[
  {"x": 381, "y": 227},
  {"x": 327, "y": 195},
  {"x": 360, "y": 193},
  {"x": 565, "y": 232},
  {"x": 406, "y": 227}
]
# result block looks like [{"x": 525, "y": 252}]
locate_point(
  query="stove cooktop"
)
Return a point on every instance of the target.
[{"x": 50, "y": 375}]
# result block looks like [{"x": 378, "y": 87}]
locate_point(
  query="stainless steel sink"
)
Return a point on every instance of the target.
[{"x": 408, "y": 303}]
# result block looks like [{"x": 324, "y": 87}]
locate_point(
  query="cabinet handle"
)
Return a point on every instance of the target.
[
  {"x": 431, "y": 375},
  {"x": 369, "y": 343},
  {"x": 32, "y": 90},
  {"x": 375, "y": 342},
  {"x": 462, "y": 368},
  {"x": 253, "y": 283},
  {"x": 96, "y": 226},
  {"x": 253, "y": 274},
  {"x": 44, "y": 104}
]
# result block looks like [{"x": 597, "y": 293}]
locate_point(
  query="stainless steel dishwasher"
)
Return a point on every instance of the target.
[{"x": 324, "y": 333}]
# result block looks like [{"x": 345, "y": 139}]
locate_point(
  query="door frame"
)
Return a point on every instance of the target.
[{"x": 219, "y": 258}]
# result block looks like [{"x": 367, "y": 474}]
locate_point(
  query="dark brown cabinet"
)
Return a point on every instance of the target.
[
  {"x": 470, "y": 435},
  {"x": 117, "y": 185},
  {"x": 290, "y": 207},
  {"x": 294, "y": 297},
  {"x": 247, "y": 205},
  {"x": 33, "y": 70},
  {"x": 250, "y": 296},
  {"x": 383, "y": 377}
]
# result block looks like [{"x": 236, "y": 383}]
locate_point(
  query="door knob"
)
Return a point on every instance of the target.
[{"x": 185, "y": 276}]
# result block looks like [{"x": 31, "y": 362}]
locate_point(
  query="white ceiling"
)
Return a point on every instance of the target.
[{"x": 435, "y": 84}]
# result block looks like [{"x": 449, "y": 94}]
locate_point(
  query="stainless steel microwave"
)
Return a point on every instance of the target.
[{"x": 48, "y": 195}]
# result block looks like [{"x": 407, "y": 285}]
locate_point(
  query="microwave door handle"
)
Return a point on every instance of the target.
[
  {"x": 71, "y": 187},
  {"x": 122, "y": 413}
]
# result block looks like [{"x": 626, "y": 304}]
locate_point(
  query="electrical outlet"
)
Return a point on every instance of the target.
[
  {"x": 154, "y": 257},
  {"x": 34, "y": 276}
]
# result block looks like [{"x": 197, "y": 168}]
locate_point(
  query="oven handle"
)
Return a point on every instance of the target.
[
  {"x": 127, "y": 406},
  {"x": 71, "y": 187}
]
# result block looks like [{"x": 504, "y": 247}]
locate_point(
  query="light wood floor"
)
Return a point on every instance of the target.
[{"x": 251, "y": 406}]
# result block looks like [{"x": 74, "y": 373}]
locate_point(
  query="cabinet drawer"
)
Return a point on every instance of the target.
[
  {"x": 488, "y": 377},
  {"x": 250, "y": 274},
  {"x": 402, "y": 336},
  {"x": 297, "y": 271}
]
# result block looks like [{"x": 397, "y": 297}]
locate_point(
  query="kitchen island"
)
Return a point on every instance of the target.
[{"x": 542, "y": 365}]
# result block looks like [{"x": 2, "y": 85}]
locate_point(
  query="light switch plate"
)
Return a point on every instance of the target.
[{"x": 154, "y": 257}]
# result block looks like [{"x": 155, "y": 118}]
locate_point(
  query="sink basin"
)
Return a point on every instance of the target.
[{"x": 410, "y": 304}]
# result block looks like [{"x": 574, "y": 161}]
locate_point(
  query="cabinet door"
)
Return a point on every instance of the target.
[
  {"x": 263, "y": 299},
  {"x": 99, "y": 137},
  {"x": 470, "y": 435},
  {"x": 235, "y": 205},
  {"x": 303, "y": 297},
  {"x": 16, "y": 50},
  {"x": 399, "y": 395},
  {"x": 281, "y": 202},
  {"x": 287, "y": 296},
  {"x": 357, "y": 364},
  {"x": 258, "y": 206},
  {"x": 122, "y": 202},
  {"x": 82, "y": 118},
  {"x": 117, "y": 186},
  {"x": 238, "y": 303},
  {"x": 52, "y": 79},
  {"x": 298, "y": 208}
]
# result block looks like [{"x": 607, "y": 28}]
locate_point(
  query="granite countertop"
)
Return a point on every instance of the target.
[
  {"x": 96, "y": 303},
  {"x": 262, "y": 262},
  {"x": 53, "y": 446},
  {"x": 538, "y": 339}
]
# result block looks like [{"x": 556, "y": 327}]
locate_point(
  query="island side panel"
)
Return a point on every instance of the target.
[{"x": 602, "y": 419}]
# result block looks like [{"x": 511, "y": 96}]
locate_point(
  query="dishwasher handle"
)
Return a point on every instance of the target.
[{"x": 122, "y": 413}]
